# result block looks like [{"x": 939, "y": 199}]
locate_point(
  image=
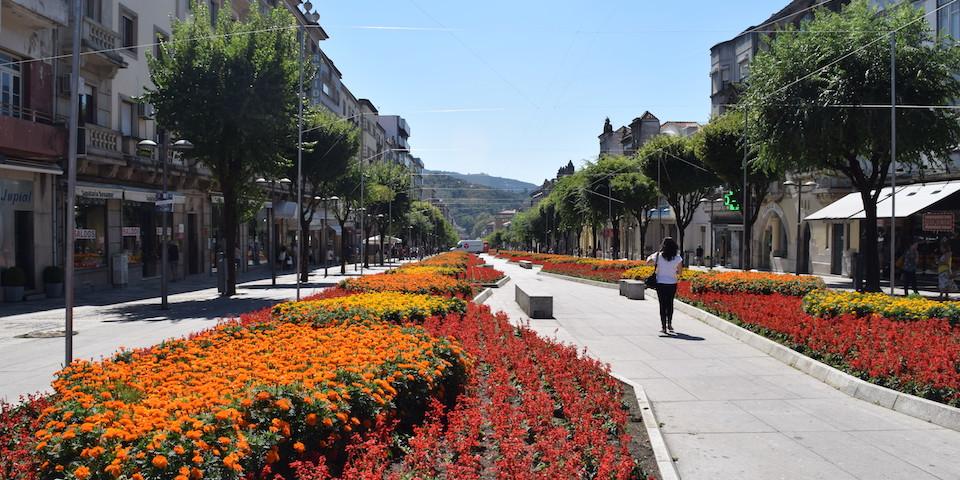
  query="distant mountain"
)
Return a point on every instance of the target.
[
  {"x": 473, "y": 204},
  {"x": 485, "y": 180}
]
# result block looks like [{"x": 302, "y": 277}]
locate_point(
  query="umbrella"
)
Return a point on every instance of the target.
[{"x": 388, "y": 240}]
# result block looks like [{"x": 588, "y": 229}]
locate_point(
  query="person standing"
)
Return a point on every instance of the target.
[
  {"x": 945, "y": 270},
  {"x": 700, "y": 255},
  {"x": 173, "y": 259},
  {"x": 668, "y": 264},
  {"x": 910, "y": 260}
]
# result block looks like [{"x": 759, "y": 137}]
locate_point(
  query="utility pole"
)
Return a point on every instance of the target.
[
  {"x": 70, "y": 222},
  {"x": 301, "y": 243},
  {"x": 745, "y": 207},
  {"x": 893, "y": 161},
  {"x": 164, "y": 241}
]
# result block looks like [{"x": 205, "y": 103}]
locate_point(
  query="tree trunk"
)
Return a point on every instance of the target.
[
  {"x": 593, "y": 246},
  {"x": 869, "y": 253},
  {"x": 230, "y": 226},
  {"x": 616, "y": 238},
  {"x": 381, "y": 244},
  {"x": 304, "y": 264}
]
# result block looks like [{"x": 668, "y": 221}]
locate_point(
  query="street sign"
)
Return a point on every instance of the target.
[
  {"x": 939, "y": 222},
  {"x": 161, "y": 203}
]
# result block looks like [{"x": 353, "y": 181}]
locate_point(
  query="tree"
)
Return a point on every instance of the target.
[
  {"x": 329, "y": 144},
  {"x": 639, "y": 195},
  {"x": 347, "y": 188},
  {"x": 720, "y": 146},
  {"x": 684, "y": 180},
  {"x": 567, "y": 198},
  {"x": 232, "y": 90},
  {"x": 388, "y": 187},
  {"x": 801, "y": 92},
  {"x": 599, "y": 196}
]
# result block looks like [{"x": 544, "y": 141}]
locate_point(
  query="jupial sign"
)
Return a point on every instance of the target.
[{"x": 939, "y": 221}]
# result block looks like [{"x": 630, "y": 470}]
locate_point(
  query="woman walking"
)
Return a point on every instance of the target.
[
  {"x": 668, "y": 264},
  {"x": 945, "y": 270}
]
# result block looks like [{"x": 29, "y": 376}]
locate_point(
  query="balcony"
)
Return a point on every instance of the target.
[
  {"x": 40, "y": 13},
  {"x": 103, "y": 40},
  {"x": 30, "y": 134},
  {"x": 102, "y": 143}
]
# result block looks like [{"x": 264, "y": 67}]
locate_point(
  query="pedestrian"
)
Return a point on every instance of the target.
[
  {"x": 910, "y": 259},
  {"x": 173, "y": 259},
  {"x": 667, "y": 264},
  {"x": 945, "y": 270},
  {"x": 282, "y": 257},
  {"x": 700, "y": 255},
  {"x": 329, "y": 256}
]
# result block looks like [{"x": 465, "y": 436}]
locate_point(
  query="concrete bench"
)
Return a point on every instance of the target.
[
  {"x": 633, "y": 289},
  {"x": 535, "y": 304},
  {"x": 526, "y": 264}
]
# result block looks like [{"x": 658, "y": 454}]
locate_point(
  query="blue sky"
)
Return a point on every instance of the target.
[{"x": 534, "y": 79}]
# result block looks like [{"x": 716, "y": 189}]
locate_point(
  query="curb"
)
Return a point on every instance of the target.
[
  {"x": 483, "y": 296},
  {"x": 665, "y": 463},
  {"x": 499, "y": 283},
  {"x": 595, "y": 283},
  {"x": 920, "y": 408}
]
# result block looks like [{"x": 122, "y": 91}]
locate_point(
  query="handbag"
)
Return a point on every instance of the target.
[{"x": 652, "y": 279}]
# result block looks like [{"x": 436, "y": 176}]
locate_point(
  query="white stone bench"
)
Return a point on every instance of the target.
[
  {"x": 526, "y": 264},
  {"x": 536, "y": 304},
  {"x": 633, "y": 289}
]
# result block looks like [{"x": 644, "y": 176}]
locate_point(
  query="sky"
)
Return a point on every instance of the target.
[{"x": 518, "y": 88}]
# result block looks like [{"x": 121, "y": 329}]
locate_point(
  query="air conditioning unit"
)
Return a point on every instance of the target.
[{"x": 146, "y": 111}]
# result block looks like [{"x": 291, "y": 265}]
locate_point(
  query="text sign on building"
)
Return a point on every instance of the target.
[
  {"x": 85, "y": 234},
  {"x": 938, "y": 222},
  {"x": 130, "y": 231},
  {"x": 17, "y": 195}
]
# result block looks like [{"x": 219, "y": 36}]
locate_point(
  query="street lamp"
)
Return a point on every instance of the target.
[
  {"x": 323, "y": 233},
  {"x": 166, "y": 201},
  {"x": 800, "y": 187}
]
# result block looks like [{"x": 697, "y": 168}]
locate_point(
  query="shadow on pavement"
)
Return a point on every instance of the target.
[
  {"x": 683, "y": 336},
  {"x": 287, "y": 286},
  {"x": 196, "y": 309}
]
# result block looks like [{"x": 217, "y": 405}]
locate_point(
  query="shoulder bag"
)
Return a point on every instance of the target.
[{"x": 652, "y": 279}]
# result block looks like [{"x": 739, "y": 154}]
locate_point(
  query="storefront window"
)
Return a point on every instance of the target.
[
  {"x": 139, "y": 241},
  {"x": 90, "y": 248}
]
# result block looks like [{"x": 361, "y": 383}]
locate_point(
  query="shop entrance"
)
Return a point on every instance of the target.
[
  {"x": 836, "y": 249},
  {"x": 193, "y": 245},
  {"x": 23, "y": 244}
]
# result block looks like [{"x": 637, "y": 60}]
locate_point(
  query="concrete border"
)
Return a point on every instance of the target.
[
  {"x": 499, "y": 283},
  {"x": 483, "y": 296},
  {"x": 920, "y": 408},
  {"x": 665, "y": 463}
]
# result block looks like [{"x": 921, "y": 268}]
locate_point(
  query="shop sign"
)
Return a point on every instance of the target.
[
  {"x": 15, "y": 194},
  {"x": 160, "y": 231},
  {"x": 85, "y": 234},
  {"x": 98, "y": 192},
  {"x": 939, "y": 221},
  {"x": 131, "y": 231}
]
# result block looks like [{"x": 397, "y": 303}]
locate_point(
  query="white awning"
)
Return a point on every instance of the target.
[{"x": 910, "y": 199}]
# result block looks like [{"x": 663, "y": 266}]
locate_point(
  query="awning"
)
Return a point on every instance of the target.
[
  {"x": 910, "y": 199},
  {"x": 388, "y": 239}
]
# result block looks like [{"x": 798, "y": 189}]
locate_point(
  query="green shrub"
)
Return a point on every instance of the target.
[
  {"x": 13, "y": 277},
  {"x": 53, "y": 274}
]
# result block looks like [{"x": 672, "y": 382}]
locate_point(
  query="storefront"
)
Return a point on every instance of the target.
[
  {"x": 94, "y": 242},
  {"x": 26, "y": 220}
]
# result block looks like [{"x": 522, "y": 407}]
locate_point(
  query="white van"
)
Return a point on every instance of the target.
[{"x": 472, "y": 246}]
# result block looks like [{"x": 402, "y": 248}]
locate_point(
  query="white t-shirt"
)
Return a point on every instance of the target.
[{"x": 666, "y": 269}]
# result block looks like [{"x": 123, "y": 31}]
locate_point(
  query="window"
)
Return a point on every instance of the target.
[
  {"x": 948, "y": 18},
  {"x": 90, "y": 247},
  {"x": 128, "y": 31},
  {"x": 11, "y": 86},
  {"x": 744, "y": 69},
  {"x": 92, "y": 10},
  {"x": 159, "y": 38},
  {"x": 128, "y": 118},
  {"x": 214, "y": 10},
  {"x": 88, "y": 105},
  {"x": 724, "y": 77}
]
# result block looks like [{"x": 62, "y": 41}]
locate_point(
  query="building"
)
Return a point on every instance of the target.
[
  {"x": 373, "y": 137},
  {"x": 628, "y": 139}
]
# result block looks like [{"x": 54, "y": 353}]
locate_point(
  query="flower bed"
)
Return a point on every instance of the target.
[
  {"x": 483, "y": 275},
  {"x": 425, "y": 283},
  {"x": 756, "y": 282},
  {"x": 830, "y": 303},
  {"x": 237, "y": 398},
  {"x": 642, "y": 273},
  {"x": 387, "y": 306},
  {"x": 922, "y": 359},
  {"x": 435, "y": 269}
]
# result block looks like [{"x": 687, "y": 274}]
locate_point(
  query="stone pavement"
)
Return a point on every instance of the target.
[
  {"x": 729, "y": 411},
  {"x": 130, "y": 318}
]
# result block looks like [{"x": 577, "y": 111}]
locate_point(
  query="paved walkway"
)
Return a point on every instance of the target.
[
  {"x": 106, "y": 322},
  {"x": 729, "y": 411}
]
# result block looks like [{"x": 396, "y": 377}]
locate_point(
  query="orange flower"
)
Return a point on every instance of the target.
[
  {"x": 299, "y": 447},
  {"x": 159, "y": 462},
  {"x": 311, "y": 419},
  {"x": 81, "y": 472}
]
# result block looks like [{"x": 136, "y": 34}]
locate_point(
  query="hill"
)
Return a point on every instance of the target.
[
  {"x": 472, "y": 205},
  {"x": 499, "y": 183}
]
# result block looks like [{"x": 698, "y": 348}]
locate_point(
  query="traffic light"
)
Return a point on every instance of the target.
[{"x": 731, "y": 200}]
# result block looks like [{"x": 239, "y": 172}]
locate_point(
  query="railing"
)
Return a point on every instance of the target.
[
  {"x": 100, "y": 37},
  {"x": 28, "y": 114},
  {"x": 103, "y": 141}
]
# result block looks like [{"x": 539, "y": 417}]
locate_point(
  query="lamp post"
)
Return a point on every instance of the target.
[
  {"x": 167, "y": 205},
  {"x": 800, "y": 187}
]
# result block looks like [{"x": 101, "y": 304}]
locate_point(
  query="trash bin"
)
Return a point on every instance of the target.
[{"x": 120, "y": 271}]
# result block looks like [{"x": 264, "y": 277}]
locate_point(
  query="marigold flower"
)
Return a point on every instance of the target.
[{"x": 159, "y": 462}]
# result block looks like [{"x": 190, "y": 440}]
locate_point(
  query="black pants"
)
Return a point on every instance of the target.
[
  {"x": 665, "y": 294},
  {"x": 909, "y": 280}
]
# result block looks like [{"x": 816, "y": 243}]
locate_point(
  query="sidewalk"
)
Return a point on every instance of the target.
[
  {"x": 132, "y": 318},
  {"x": 728, "y": 410}
]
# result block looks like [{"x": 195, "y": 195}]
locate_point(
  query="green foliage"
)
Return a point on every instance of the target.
[
  {"x": 231, "y": 89},
  {"x": 469, "y": 202},
  {"x": 801, "y": 89},
  {"x": 13, "y": 277}
]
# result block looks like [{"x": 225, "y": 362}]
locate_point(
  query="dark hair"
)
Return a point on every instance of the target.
[{"x": 669, "y": 248}]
